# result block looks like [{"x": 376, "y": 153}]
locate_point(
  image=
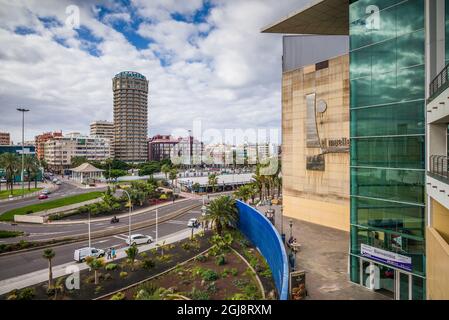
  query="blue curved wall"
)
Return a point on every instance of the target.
[{"x": 259, "y": 230}]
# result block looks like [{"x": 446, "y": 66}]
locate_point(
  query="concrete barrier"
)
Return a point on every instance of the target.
[{"x": 29, "y": 218}]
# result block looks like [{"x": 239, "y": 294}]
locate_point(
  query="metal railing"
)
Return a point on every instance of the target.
[
  {"x": 439, "y": 84},
  {"x": 438, "y": 165}
]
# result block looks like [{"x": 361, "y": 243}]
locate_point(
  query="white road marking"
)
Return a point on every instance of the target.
[
  {"x": 102, "y": 241},
  {"x": 176, "y": 222},
  {"x": 117, "y": 237}
]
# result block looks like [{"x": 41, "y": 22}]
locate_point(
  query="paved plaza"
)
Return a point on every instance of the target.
[{"x": 324, "y": 257}]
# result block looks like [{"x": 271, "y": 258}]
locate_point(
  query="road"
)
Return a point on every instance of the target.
[
  {"x": 64, "y": 190},
  {"x": 38, "y": 232},
  {"x": 23, "y": 263}
]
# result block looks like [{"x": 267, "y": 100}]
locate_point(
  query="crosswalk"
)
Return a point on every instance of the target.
[{"x": 121, "y": 236}]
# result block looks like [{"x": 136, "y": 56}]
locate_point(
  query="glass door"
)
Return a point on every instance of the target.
[{"x": 404, "y": 285}]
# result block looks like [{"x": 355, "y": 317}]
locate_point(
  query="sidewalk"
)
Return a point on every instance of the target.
[
  {"x": 39, "y": 276},
  {"x": 324, "y": 256}
]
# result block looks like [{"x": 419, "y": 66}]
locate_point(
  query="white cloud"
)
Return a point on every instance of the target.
[{"x": 229, "y": 77}]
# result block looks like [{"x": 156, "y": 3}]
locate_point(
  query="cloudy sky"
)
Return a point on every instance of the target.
[{"x": 205, "y": 60}]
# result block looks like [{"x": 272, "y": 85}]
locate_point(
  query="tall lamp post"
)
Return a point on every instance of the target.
[
  {"x": 290, "y": 223},
  {"x": 129, "y": 228},
  {"x": 23, "y": 147}
]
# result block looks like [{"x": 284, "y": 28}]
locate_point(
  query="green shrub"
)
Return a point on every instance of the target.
[
  {"x": 234, "y": 272},
  {"x": 12, "y": 296},
  {"x": 239, "y": 296},
  {"x": 123, "y": 274},
  {"x": 26, "y": 294},
  {"x": 266, "y": 273},
  {"x": 209, "y": 275},
  {"x": 220, "y": 260},
  {"x": 201, "y": 258},
  {"x": 118, "y": 296},
  {"x": 107, "y": 276},
  {"x": 9, "y": 234},
  {"x": 143, "y": 255},
  {"x": 148, "y": 264},
  {"x": 111, "y": 267},
  {"x": 98, "y": 289},
  {"x": 198, "y": 294},
  {"x": 185, "y": 246}
]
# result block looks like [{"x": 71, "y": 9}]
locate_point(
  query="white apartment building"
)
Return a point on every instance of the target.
[{"x": 59, "y": 151}]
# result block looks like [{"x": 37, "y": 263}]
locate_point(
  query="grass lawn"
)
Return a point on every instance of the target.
[
  {"x": 47, "y": 205},
  {"x": 9, "y": 234},
  {"x": 4, "y": 194}
]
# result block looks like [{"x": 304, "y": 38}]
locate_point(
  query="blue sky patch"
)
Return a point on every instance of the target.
[{"x": 22, "y": 30}]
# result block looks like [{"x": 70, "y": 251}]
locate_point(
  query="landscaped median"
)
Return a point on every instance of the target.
[
  {"x": 4, "y": 194},
  {"x": 52, "y": 204}
]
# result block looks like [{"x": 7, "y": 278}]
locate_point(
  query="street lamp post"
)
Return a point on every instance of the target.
[
  {"x": 157, "y": 222},
  {"x": 129, "y": 228},
  {"x": 89, "y": 230},
  {"x": 23, "y": 147}
]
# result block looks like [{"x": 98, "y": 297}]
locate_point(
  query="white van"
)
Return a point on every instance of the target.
[{"x": 81, "y": 254}]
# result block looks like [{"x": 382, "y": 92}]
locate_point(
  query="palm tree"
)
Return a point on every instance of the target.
[
  {"x": 243, "y": 193},
  {"x": 30, "y": 166},
  {"x": 222, "y": 213},
  {"x": 95, "y": 264},
  {"x": 196, "y": 187},
  {"x": 10, "y": 162},
  {"x": 49, "y": 254},
  {"x": 132, "y": 253},
  {"x": 166, "y": 170},
  {"x": 213, "y": 181},
  {"x": 173, "y": 174},
  {"x": 259, "y": 182}
]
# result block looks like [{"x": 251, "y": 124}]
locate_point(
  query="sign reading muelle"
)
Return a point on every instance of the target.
[
  {"x": 335, "y": 145},
  {"x": 390, "y": 258}
]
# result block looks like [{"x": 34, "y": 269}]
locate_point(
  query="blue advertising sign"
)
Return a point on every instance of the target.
[{"x": 390, "y": 258}]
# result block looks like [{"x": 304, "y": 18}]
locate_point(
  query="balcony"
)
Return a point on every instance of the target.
[
  {"x": 437, "y": 180},
  {"x": 438, "y": 101}
]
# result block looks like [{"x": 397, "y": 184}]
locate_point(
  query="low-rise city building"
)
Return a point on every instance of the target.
[
  {"x": 60, "y": 150},
  {"x": 160, "y": 147},
  {"x": 39, "y": 142},
  {"x": 5, "y": 139}
]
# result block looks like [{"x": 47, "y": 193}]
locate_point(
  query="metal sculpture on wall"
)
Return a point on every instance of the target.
[{"x": 341, "y": 145}]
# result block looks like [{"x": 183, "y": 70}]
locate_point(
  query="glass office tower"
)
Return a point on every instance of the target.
[{"x": 387, "y": 53}]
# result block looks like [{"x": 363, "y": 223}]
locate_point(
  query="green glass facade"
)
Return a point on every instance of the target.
[{"x": 387, "y": 51}]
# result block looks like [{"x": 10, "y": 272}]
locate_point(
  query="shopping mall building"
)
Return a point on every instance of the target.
[{"x": 365, "y": 136}]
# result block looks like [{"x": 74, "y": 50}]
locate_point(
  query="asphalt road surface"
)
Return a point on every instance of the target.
[
  {"x": 38, "y": 232},
  {"x": 23, "y": 263}
]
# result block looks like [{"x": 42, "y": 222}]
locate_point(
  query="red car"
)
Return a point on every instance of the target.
[{"x": 42, "y": 197}]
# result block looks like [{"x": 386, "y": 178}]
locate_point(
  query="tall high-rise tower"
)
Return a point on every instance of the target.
[{"x": 130, "y": 116}]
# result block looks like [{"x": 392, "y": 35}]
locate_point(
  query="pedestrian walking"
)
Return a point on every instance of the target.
[
  {"x": 109, "y": 253},
  {"x": 113, "y": 254}
]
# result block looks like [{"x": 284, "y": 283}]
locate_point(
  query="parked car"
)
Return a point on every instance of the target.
[
  {"x": 81, "y": 254},
  {"x": 55, "y": 180},
  {"x": 3, "y": 180},
  {"x": 46, "y": 192},
  {"x": 139, "y": 239},
  {"x": 42, "y": 196},
  {"x": 193, "y": 223},
  {"x": 58, "y": 183}
]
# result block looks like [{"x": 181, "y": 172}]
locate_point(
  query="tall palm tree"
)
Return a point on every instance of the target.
[
  {"x": 259, "y": 182},
  {"x": 30, "y": 166},
  {"x": 49, "y": 254},
  {"x": 222, "y": 213},
  {"x": 243, "y": 193},
  {"x": 173, "y": 174},
  {"x": 10, "y": 162},
  {"x": 213, "y": 181},
  {"x": 166, "y": 170}
]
